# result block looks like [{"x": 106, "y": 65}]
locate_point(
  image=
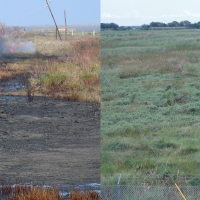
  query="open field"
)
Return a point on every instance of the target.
[
  {"x": 49, "y": 111},
  {"x": 156, "y": 75}
]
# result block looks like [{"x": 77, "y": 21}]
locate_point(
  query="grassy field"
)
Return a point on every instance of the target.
[
  {"x": 68, "y": 69},
  {"x": 156, "y": 75}
]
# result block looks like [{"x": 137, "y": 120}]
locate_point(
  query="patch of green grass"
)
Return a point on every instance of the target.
[
  {"x": 117, "y": 146},
  {"x": 194, "y": 181},
  {"x": 53, "y": 80},
  {"x": 188, "y": 150},
  {"x": 162, "y": 143}
]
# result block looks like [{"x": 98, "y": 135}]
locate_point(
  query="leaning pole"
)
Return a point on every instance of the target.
[{"x": 54, "y": 20}]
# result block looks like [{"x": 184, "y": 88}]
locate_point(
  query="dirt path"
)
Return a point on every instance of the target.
[{"x": 51, "y": 142}]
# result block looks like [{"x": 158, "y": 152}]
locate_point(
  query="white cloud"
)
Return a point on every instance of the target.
[
  {"x": 186, "y": 13},
  {"x": 106, "y": 16},
  {"x": 137, "y": 18},
  {"x": 129, "y": 15}
]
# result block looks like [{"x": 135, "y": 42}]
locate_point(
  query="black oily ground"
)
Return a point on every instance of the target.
[{"x": 66, "y": 134}]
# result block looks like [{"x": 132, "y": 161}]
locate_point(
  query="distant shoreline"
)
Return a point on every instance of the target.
[{"x": 79, "y": 27}]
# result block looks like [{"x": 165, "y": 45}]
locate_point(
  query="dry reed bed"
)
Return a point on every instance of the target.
[{"x": 20, "y": 192}]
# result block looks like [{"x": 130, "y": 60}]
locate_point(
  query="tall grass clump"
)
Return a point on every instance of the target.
[
  {"x": 77, "y": 79},
  {"x": 77, "y": 195},
  {"x": 20, "y": 192}
]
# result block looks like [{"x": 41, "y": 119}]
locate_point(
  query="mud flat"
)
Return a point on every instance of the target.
[{"x": 49, "y": 142}]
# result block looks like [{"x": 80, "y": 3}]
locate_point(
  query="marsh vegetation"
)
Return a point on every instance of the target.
[
  {"x": 156, "y": 76},
  {"x": 67, "y": 70}
]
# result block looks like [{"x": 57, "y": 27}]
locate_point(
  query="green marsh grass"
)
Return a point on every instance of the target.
[{"x": 156, "y": 75}]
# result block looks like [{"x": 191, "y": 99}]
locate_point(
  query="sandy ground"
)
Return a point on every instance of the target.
[{"x": 49, "y": 142}]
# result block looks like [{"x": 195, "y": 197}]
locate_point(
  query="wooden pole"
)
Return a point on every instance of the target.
[
  {"x": 54, "y": 20},
  {"x": 65, "y": 25}
]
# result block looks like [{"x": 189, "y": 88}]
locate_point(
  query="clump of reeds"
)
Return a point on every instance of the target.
[
  {"x": 77, "y": 195},
  {"x": 39, "y": 194},
  {"x": 20, "y": 192}
]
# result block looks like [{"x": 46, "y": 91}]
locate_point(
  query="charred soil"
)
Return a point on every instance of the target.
[{"x": 50, "y": 141}]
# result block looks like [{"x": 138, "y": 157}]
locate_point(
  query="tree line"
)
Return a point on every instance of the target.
[
  {"x": 184, "y": 24},
  {"x": 174, "y": 24},
  {"x": 114, "y": 26}
]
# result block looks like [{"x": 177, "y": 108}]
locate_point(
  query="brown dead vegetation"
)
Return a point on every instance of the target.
[{"x": 20, "y": 192}]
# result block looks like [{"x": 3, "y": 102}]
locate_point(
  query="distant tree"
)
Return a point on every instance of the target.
[
  {"x": 104, "y": 25},
  {"x": 109, "y": 26},
  {"x": 157, "y": 24},
  {"x": 173, "y": 24},
  {"x": 122, "y": 28},
  {"x": 145, "y": 27},
  {"x": 198, "y": 24},
  {"x": 128, "y": 28},
  {"x": 195, "y": 25},
  {"x": 114, "y": 26},
  {"x": 185, "y": 23}
]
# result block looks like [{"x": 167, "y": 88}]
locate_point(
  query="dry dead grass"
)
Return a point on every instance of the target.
[
  {"x": 76, "y": 195},
  {"x": 20, "y": 192},
  {"x": 52, "y": 46},
  {"x": 138, "y": 64}
]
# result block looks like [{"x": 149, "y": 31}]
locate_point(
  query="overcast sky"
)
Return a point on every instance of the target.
[
  {"x": 138, "y": 12},
  {"x": 33, "y": 12}
]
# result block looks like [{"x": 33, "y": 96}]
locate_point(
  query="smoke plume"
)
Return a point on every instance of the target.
[
  {"x": 23, "y": 47},
  {"x": 2, "y": 46},
  {"x": 16, "y": 46}
]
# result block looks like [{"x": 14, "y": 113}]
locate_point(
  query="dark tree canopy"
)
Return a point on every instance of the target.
[
  {"x": 112, "y": 26},
  {"x": 157, "y": 24},
  {"x": 153, "y": 25}
]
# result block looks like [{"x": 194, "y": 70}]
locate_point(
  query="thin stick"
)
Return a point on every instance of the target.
[
  {"x": 180, "y": 191},
  {"x": 65, "y": 25},
  {"x": 54, "y": 20}
]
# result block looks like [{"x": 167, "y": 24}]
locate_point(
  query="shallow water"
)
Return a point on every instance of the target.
[
  {"x": 10, "y": 99},
  {"x": 11, "y": 86}
]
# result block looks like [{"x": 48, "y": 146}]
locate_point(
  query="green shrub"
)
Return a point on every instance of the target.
[
  {"x": 194, "y": 182},
  {"x": 169, "y": 96},
  {"x": 111, "y": 63},
  {"x": 53, "y": 79}
]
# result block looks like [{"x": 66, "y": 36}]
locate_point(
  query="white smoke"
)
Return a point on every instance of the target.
[
  {"x": 24, "y": 47},
  {"x": 16, "y": 46},
  {"x": 3, "y": 47}
]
